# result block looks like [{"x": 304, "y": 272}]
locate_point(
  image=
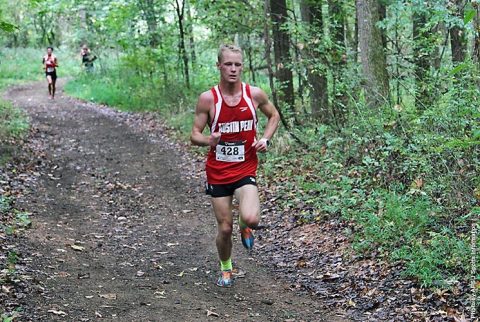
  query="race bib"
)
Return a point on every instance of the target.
[
  {"x": 50, "y": 69},
  {"x": 230, "y": 151}
]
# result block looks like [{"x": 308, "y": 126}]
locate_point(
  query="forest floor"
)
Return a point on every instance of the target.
[
  {"x": 122, "y": 231},
  {"x": 121, "y": 228}
]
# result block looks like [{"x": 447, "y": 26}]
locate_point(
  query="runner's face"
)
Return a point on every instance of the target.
[
  {"x": 231, "y": 66},
  {"x": 49, "y": 51}
]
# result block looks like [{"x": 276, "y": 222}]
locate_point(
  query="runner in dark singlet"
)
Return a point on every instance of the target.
[
  {"x": 50, "y": 65},
  {"x": 230, "y": 110},
  {"x": 87, "y": 58}
]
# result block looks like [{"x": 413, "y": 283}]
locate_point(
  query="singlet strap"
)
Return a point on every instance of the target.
[
  {"x": 217, "y": 106},
  {"x": 248, "y": 98}
]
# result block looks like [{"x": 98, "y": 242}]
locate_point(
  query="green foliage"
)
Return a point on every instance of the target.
[
  {"x": 12, "y": 259},
  {"x": 13, "y": 122},
  {"x": 23, "y": 219},
  {"x": 11, "y": 316},
  {"x": 5, "y": 204},
  {"x": 404, "y": 178},
  {"x": 6, "y": 26}
]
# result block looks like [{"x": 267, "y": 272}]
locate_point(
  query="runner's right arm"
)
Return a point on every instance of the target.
[{"x": 205, "y": 102}]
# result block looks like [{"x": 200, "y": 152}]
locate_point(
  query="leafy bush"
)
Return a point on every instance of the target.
[{"x": 13, "y": 122}]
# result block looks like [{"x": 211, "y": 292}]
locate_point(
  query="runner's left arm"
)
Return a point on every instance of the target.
[{"x": 267, "y": 108}]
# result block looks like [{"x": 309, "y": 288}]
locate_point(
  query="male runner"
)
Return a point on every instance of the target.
[
  {"x": 229, "y": 109},
  {"x": 87, "y": 58},
  {"x": 50, "y": 65}
]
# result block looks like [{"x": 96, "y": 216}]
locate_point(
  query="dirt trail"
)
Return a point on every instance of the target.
[{"x": 121, "y": 233}]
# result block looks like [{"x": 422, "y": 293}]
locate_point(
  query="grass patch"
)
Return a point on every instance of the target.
[{"x": 13, "y": 121}]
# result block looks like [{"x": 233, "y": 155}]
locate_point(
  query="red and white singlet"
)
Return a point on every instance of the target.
[
  {"x": 234, "y": 157},
  {"x": 49, "y": 62}
]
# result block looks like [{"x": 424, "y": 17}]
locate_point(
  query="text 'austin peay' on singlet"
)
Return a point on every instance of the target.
[{"x": 234, "y": 157}]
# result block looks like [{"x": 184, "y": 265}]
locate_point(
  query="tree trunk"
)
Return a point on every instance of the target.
[
  {"x": 339, "y": 61},
  {"x": 191, "y": 38},
  {"x": 458, "y": 40},
  {"x": 281, "y": 48},
  {"x": 421, "y": 59},
  {"x": 149, "y": 14},
  {"x": 439, "y": 29},
  {"x": 372, "y": 54},
  {"x": 382, "y": 14},
  {"x": 180, "y": 10},
  {"x": 268, "y": 46},
  {"x": 355, "y": 39},
  {"x": 317, "y": 80},
  {"x": 476, "y": 40},
  {"x": 250, "y": 59}
]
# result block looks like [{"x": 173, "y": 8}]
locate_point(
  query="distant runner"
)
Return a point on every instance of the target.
[
  {"x": 230, "y": 110},
  {"x": 50, "y": 65},
  {"x": 87, "y": 58}
]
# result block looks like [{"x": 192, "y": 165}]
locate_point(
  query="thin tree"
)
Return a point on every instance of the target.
[
  {"x": 476, "y": 40},
  {"x": 281, "y": 49},
  {"x": 311, "y": 12},
  {"x": 458, "y": 40},
  {"x": 372, "y": 53},
  {"x": 180, "y": 11},
  {"x": 339, "y": 59},
  {"x": 148, "y": 10},
  {"x": 191, "y": 38},
  {"x": 421, "y": 57}
]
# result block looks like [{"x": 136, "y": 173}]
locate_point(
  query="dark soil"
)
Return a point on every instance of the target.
[{"x": 122, "y": 230}]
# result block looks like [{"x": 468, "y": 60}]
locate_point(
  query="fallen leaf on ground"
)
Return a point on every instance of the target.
[
  {"x": 109, "y": 296},
  {"x": 6, "y": 289},
  {"x": 180, "y": 274},
  {"x": 77, "y": 248},
  {"x": 211, "y": 313},
  {"x": 57, "y": 312},
  {"x": 238, "y": 273}
]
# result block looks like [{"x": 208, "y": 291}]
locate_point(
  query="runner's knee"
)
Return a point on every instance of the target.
[
  {"x": 225, "y": 229},
  {"x": 251, "y": 219}
]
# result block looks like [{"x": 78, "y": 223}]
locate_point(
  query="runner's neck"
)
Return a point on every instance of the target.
[{"x": 231, "y": 89}]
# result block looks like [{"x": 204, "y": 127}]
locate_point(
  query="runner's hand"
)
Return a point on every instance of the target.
[
  {"x": 260, "y": 145},
  {"x": 214, "y": 139}
]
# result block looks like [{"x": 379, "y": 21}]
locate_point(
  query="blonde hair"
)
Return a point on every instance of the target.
[{"x": 228, "y": 47}]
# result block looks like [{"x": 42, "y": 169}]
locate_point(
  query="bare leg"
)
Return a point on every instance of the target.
[
  {"x": 49, "y": 79},
  {"x": 249, "y": 204},
  {"x": 53, "y": 87},
  {"x": 222, "y": 208}
]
